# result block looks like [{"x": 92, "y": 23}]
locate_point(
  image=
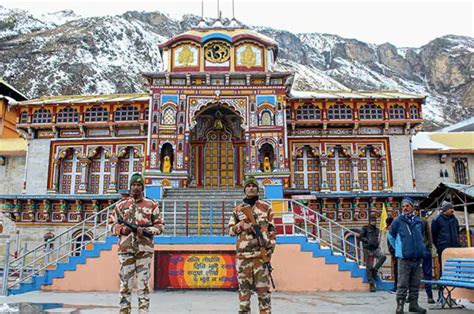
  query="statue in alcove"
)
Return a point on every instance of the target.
[
  {"x": 167, "y": 164},
  {"x": 267, "y": 166}
]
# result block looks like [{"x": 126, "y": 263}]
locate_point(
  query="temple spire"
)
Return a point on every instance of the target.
[
  {"x": 202, "y": 23},
  {"x": 234, "y": 23}
]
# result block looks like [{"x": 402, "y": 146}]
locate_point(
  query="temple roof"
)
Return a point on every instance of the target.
[
  {"x": 86, "y": 99},
  {"x": 348, "y": 94},
  {"x": 443, "y": 142}
]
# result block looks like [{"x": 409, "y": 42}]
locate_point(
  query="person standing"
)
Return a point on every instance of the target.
[
  {"x": 252, "y": 271},
  {"x": 427, "y": 265},
  {"x": 391, "y": 249},
  {"x": 406, "y": 236},
  {"x": 369, "y": 235},
  {"x": 445, "y": 231},
  {"x": 135, "y": 246}
]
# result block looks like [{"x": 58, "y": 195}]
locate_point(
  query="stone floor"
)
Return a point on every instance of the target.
[{"x": 209, "y": 302}]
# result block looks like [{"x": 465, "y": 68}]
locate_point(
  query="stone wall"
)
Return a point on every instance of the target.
[
  {"x": 401, "y": 163},
  {"x": 428, "y": 166},
  {"x": 12, "y": 175},
  {"x": 38, "y": 166}
]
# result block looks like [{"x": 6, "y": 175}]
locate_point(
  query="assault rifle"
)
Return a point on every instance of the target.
[
  {"x": 247, "y": 210},
  {"x": 134, "y": 227}
]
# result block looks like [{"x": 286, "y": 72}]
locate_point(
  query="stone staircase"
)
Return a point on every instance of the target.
[{"x": 202, "y": 212}]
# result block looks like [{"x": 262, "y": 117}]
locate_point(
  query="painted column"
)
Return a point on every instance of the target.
[
  {"x": 355, "y": 173},
  {"x": 55, "y": 187},
  {"x": 85, "y": 163},
  {"x": 323, "y": 159},
  {"x": 113, "y": 173},
  {"x": 383, "y": 161}
]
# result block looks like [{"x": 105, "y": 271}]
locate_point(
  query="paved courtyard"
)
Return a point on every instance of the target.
[{"x": 210, "y": 302}]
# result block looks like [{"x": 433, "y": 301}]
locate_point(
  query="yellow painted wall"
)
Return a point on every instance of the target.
[{"x": 7, "y": 121}]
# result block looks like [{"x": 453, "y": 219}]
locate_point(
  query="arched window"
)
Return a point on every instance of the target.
[
  {"x": 67, "y": 115},
  {"x": 340, "y": 112},
  {"x": 414, "y": 113},
  {"x": 307, "y": 170},
  {"x": 127, "y": 113},
  {"x": 169, "y": 116},
  {"x": 42, "y": 116},
  {"x": 96, "y": 114},
  {"x": 266, "y": 117},
  {"x": 397, "y": 112},
  {"x": 147, "y": 113},
  {"x": 24, "y": 117},
  {"x": 128, "y": 165},
  {"x": 370, "y": 171},
  {"x": 339, "y": 171},
  {"x": 99, "y": 173},
  {"x": 70, "y": 173},
  {"x": 288, "y": 113},
  {"x": 308, "y": 112},
  {"x": 460, "y": 171},
  {"x": 370, "y": 112},
  {"x": 81, "y": 241}
]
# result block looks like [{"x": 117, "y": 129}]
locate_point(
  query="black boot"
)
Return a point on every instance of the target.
[
  {"x": 372, "y": 287},
  {"x": 400, "y": 305},
  {"x": 414, "y": 307}
]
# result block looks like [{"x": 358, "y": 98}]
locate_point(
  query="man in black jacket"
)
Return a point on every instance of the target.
[
  {"x": 391, "y": 249},
  {"x": 369, "y": 235},
  {"x": 445, "y": 230}
]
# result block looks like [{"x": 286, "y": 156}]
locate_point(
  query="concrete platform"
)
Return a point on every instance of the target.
[{"x": 211, "y": 302}]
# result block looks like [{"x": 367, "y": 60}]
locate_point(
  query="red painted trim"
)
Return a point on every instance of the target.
[{"x": 210, "y": 68}]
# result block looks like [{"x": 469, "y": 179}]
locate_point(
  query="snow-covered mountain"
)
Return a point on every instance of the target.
[{"x": 62, "y": 53}]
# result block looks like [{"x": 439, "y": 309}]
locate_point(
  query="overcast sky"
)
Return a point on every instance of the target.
[{"x": 404, "y": 23}]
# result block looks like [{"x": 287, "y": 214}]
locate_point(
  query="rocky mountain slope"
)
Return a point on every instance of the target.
[{"x": 62, "y": 53}]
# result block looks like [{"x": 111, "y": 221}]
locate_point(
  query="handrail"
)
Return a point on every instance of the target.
[{"x": 57, "y": 249}]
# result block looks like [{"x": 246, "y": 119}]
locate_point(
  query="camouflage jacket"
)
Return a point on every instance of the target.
[
  {"x": 143, "y": 212},
  {"x": 247, "y": 244}
]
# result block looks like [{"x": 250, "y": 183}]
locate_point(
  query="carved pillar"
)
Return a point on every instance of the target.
[
  {"x": 55, "y": 187},
  {"x": 383, "y": 162},
  {"x": 355, "y": 173},
  {"x": 323, "y": 159},
  {"x": 114, "y": 160},
  {"x": 85, "y": 162}
]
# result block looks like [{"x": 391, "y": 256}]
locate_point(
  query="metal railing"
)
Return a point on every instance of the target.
[
  {"x": 183, "y": 218},
  {"x": 47, "y": 255}
]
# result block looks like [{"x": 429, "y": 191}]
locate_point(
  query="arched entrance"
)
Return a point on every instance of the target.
[{"x": 217, "y": 148}]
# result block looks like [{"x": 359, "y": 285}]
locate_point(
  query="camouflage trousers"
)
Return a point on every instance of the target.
[
  {"x": 131, "y": 263},
  {"x": 252, "y": 275}
]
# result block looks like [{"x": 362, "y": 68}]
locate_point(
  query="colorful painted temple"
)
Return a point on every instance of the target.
[{"x": 217, "y": 112}]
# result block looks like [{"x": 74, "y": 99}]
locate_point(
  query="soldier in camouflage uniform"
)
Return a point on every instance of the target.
[
  {"x": 135, "y": 249},
  {"x": 252, "y": 273}
]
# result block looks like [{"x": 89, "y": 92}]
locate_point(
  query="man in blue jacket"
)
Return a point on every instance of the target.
[{"x": 406, "y": 236}]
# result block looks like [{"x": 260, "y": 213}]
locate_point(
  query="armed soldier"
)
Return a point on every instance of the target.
[
  {"x": 136, "y": 220},
  {"x": 252, "y": 223}
]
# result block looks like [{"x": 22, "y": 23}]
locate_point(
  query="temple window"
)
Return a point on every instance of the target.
[
  {"x": 127, "y": 113},
  {"x": 397, "y": 112},
  {"x": 340, "y": 112},
  {"x": 96, "y": 114},
  {"x": 42, "y": 116},
  {"x": 147, "y": 113},
  {"x": 339, "y": 171},
  {"x": 414, "y": 113},
  {"x": 370, "y": 112},
  {"x": 99, "y": 173},
  {"x": 460, "y": 171},
  {"x": 267, "y": 157},
  {"x": 24, "y": 117},
  {"x": 169, "y": 116},
  {"x": 288, "y": 113},
  {"x": 128, "y": 165},
  {"x": 266, "y": 118},
  {"x": 307, "y": 170},
  {"x": 308, "y": 112},
  {"x": 70, "y": 174},
  {"x": 370, "y": 171},
  {"x": 68, "y": 115}
]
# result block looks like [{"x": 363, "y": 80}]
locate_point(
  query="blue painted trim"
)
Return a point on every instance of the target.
[
  {"x": 216, "y": 36},
  {"x": 71, "y": 265}
]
